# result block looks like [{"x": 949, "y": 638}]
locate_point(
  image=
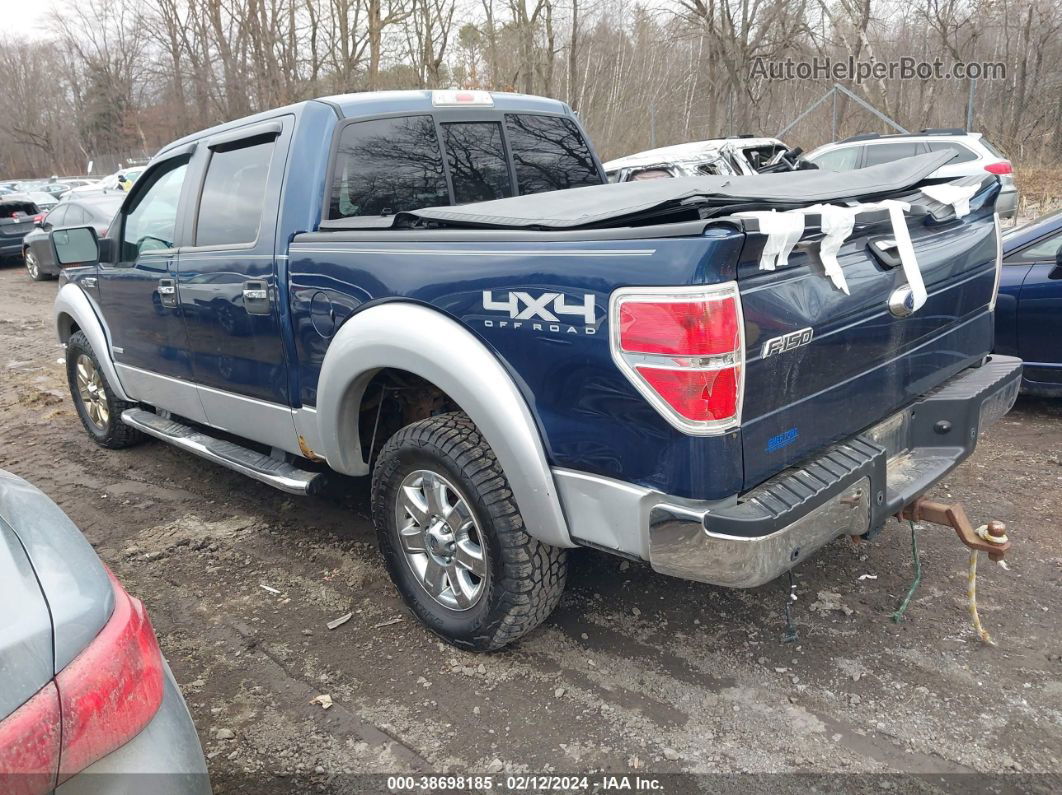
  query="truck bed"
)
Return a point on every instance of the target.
[{"x": 863, "y": 364}]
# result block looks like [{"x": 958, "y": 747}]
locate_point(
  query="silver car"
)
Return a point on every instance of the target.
[
  {"x": 974, "y": 154},
  {"x": 86, "y": 698}
]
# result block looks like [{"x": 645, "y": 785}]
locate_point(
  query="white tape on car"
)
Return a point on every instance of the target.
[
  {"x": 904, "y": 247},
  {"x": 837, "y": 224},
  {"x": 783, "y": 230},
  {"x": 957, "y": 196}
]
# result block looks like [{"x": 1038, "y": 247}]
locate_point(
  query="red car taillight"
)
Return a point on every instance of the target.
[
  {"x": 39, "y": 218},
  {"x": 683, "y": 349},
  {"x": 97, "y": 703},
  {"x": 682, "y": 328},
  {"x": 29, "y": 745},
  {"x": 1002, "y": 167}
]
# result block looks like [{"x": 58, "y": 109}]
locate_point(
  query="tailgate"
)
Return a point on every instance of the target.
[
  {"x": 860, "y": 361},
  {"x": 16, "y": 227}
]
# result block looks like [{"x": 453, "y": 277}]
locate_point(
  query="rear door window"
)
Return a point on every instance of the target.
[
  {"x": 57, "y": 217},
  {"x": 388, "y": 166},
  {"x": 1045, "y": 250},
  {"x": 961, "y": 153},
  {"x": 839, "y": 159},
  {"x": 476, "y": 157},
  {"x": 549, "y": 153},
  {"x": 230, "y": 207},
  {"x": 886, "y": 153},
  {"x": 75, "y": 215}
]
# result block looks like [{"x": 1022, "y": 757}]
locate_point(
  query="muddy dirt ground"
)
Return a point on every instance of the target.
[{"x": 635, "y": 672}]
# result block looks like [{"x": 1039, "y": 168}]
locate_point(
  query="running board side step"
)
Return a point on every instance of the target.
[{"x": 261, "y": 467}]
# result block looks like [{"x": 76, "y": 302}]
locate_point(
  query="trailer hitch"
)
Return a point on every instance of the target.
[{"x": 990, "y": 538}]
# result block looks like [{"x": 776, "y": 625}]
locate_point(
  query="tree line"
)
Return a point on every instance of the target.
[{"x": 116, "y": 79}]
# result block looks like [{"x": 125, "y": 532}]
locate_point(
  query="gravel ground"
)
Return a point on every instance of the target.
[{"x": 634, "y": 673}]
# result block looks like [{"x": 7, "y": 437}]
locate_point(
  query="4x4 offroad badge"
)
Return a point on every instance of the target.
[{"x": 548, "y": 312}]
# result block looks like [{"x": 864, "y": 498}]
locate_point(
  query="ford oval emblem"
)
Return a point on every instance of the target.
[{"x": 901, "y": 302}]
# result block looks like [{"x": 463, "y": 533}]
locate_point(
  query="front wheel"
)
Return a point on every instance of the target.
[
  {"x": 453, "y": 538},
  {"x": 99, "y": 408}
]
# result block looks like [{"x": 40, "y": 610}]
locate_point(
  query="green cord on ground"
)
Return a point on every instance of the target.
[{"x": 898, "y": 615}]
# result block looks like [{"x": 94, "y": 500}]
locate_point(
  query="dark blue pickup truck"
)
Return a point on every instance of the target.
[{"x": 717, "y": 375}]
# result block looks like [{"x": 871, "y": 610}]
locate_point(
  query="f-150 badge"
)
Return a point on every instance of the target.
[{"x": 786, "y": 342}]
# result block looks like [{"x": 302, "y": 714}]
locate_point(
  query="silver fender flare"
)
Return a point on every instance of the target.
[
  {"x": 433, "y": 346},
  {"x": 72, "y": 307}
]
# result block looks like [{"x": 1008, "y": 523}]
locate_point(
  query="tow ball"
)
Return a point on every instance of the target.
[{"x": 990, "y": 538}]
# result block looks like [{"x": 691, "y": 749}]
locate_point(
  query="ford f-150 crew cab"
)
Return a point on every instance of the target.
[{"x": 717, "y": 375}]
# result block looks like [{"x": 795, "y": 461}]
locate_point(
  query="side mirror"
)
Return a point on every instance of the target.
[
  {"x": 1058, "y": 258},
  {"x": 76, "y": 245}
]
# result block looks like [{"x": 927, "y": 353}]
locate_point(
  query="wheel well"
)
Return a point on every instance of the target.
[
  {"x": 67, "y": 327},
  {"x": 392, "y": 400}
]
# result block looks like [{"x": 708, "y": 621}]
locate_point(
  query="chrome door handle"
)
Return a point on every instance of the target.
[
  {"x": 167, "y": 290},
  {"x": 256, "y": 298}
]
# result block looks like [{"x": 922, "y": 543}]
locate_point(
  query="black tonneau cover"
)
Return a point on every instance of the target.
[{"x": 601, "y": 204}]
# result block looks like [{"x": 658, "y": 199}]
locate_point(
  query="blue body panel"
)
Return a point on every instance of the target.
[
  {"x": 1029, "y": 311},
  {"x": 590, "y": 416}
]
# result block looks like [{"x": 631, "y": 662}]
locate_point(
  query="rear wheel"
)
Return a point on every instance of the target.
[
  {"x": 97, "y": 405},
  {"x": 33, "y": 266},
  {"x": 453, "y": 538}
]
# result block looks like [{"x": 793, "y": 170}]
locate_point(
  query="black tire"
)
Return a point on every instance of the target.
[
  {"x": 33, "y": 266},
  {"x": 110, "y": 432},
  {"x": 525, "y": 578}
]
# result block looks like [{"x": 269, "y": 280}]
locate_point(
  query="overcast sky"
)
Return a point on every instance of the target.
[{"x": 25, "y": 18}]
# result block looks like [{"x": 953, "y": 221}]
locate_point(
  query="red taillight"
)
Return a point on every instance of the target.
[
  {"x": 1002, "y": 167},
  {"x": 698, "y": 395},
  {"x": 683, "y": 349},
  {"x": 97, "y": 703},
  {"x": 112, "y": 689},
  {"x": 682, "y": 328},
  {"x": 38, "y": 218},
  {"x": 29, "y": 745}
]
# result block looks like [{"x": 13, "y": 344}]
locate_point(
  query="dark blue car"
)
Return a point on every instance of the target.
[{"x": 1029, "y": 311}]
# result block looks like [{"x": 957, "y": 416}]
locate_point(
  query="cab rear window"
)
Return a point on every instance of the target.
[
  {"x": 549, "y": 153},
  {"x": 394, "y": 165},
  {"x": 476, "y": 157},
  {"x": 388, "y": 166}
]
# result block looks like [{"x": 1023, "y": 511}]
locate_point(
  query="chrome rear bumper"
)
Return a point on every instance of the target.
[
  {"x": 680, "y": 545},
  {"x": 850, "y": 489}
]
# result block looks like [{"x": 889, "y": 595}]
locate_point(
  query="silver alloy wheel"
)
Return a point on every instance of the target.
[
  {"x": 92, "y": 391},
  {"x": 32, "y": 266},
  {"x": 441, "y": 540}
]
